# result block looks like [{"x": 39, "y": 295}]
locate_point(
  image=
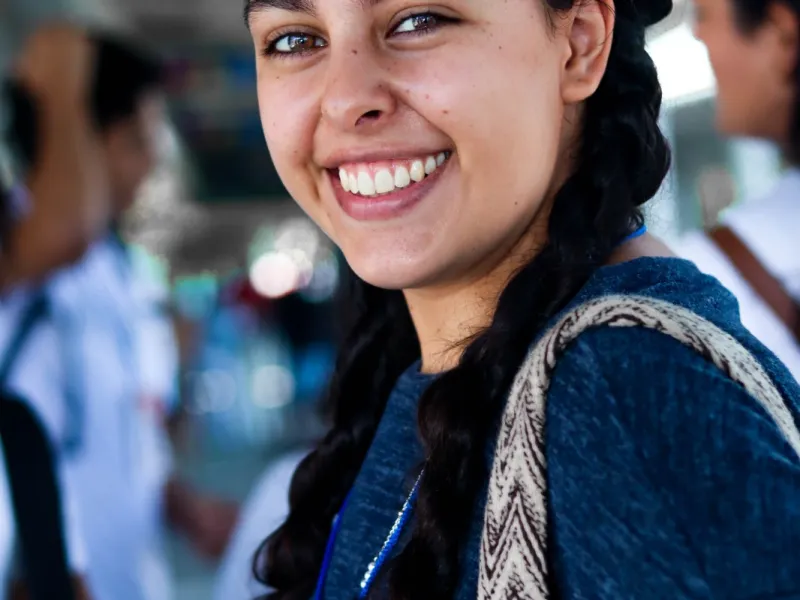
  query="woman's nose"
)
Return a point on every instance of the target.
[{"x": 357, "y": 95}]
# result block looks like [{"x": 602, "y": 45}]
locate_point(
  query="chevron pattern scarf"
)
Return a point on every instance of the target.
[{"x": 513, "y": 561}]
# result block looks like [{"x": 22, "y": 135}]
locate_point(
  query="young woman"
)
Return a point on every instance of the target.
[{"x": 481, "y": 165}]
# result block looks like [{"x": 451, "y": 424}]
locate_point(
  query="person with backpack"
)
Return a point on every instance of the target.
[
  {"x": 42, "y": 553},
  {"x": 117, "y": 374},
  {"x": 754, "y": 49}
]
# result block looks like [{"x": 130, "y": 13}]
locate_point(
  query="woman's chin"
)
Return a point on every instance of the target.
[
  {"x": 387, "y": 279},
  {"x": 393, "y": 275}
]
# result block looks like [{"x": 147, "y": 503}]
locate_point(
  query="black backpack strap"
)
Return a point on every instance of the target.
[
  {"x": 35, "y": 312},
  {"x": 34, "y": 488}
]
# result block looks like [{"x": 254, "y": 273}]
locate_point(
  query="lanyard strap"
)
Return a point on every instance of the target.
[
  {"x": 636, "y": 234},
  {"x": 385, "y": 552},
  {"x": 326, "y": 561},
  {"x": 391, "y": 541}
]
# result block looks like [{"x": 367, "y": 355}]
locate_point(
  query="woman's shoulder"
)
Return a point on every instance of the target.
[
  {"x": 679, "y": 296},
  {"x": 654, "y": 448},
  {"x": 657, "y": 439},
  {"x": 683, "y": 353}
]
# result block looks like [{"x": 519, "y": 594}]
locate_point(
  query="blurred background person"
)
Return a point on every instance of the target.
[
  {"x": 753, "y": 47},
  {"x": 55, "y": 67},
  {"x": 72, "y": 204},
  {"x": 265, "y": 509},
  {"x": 118, "y": 351}
]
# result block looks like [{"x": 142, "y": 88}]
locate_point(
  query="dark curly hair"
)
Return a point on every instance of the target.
[
  {"x": 751, "y": 14},
  {"x": 622, "y": 160}
]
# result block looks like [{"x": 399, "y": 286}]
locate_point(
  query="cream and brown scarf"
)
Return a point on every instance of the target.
[{"x": 514, "y": 543}]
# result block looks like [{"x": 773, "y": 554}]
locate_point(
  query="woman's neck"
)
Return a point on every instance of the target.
[
  {"x": 447, "y": 317},
  {"x": 444, "y": 319}
]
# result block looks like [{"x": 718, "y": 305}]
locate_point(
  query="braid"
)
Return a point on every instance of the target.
[
  {"x": 380, "y": 341},
  {"x": 593, "y": 211}
]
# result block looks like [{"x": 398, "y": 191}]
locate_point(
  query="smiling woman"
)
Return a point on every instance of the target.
[{"x": 481, "y": 165}]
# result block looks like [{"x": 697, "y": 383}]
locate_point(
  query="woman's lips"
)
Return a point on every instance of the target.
[{"x": 387, "y": 189}]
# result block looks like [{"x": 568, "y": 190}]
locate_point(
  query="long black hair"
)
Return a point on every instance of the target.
[
  {"x": 622, "y": 161},
  {"x": 751, "y": 14}
]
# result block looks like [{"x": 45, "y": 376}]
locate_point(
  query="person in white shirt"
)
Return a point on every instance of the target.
[
  {"x": 264, "y": 511},
  {"x": 37, "y": 377},
  {"x": 55, "y": 67},
  {"x": 754, "y": 47},
  {"x": 120, "y": 459}
]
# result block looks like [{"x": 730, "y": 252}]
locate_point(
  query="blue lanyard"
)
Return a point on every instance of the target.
[
  {"x": 326, "y": 561},
  {"x": 385, "y": 552},
  {"x": 636, "y": 234},
  {"x": 402, "y": 518}
]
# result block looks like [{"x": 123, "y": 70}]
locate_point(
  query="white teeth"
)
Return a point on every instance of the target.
[
  {"x": 430, "y": 165},
  {"x": 417, "y": 171},
  {"x": 384, "y": 182},
  {"x": 401, "y": 177},
  {"x": 366, "y": 187}
]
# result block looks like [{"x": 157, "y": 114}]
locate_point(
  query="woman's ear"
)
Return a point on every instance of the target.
[{"x": 589, "y": 31}]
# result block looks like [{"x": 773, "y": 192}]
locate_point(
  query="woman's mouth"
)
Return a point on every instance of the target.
[
  {"x": 372, "y": 179},
  {"x": 382, "y": 190}
]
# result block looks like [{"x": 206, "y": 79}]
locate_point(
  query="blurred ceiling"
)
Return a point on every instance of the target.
[{"x": 189, "y": 22}]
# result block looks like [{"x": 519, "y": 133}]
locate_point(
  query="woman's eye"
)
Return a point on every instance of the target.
[
  {"x": 419, "y": 23},
  {"x": 296, "y": 43}
]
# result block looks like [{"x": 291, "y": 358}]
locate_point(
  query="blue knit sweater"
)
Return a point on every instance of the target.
[{"x": 666, "y": 480}]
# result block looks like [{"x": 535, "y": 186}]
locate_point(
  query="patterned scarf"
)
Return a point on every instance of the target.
[{"x": 513, "y": 561}]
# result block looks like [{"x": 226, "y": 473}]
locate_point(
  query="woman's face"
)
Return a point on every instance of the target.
[
  {"x": 754, "y": 68},
  {"x": 422, "y": 137}
]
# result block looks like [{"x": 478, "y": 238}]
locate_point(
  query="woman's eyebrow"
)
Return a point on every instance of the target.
[
  {"x": 254, "y": 6},
  {"x": 303, "y": 6}
]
